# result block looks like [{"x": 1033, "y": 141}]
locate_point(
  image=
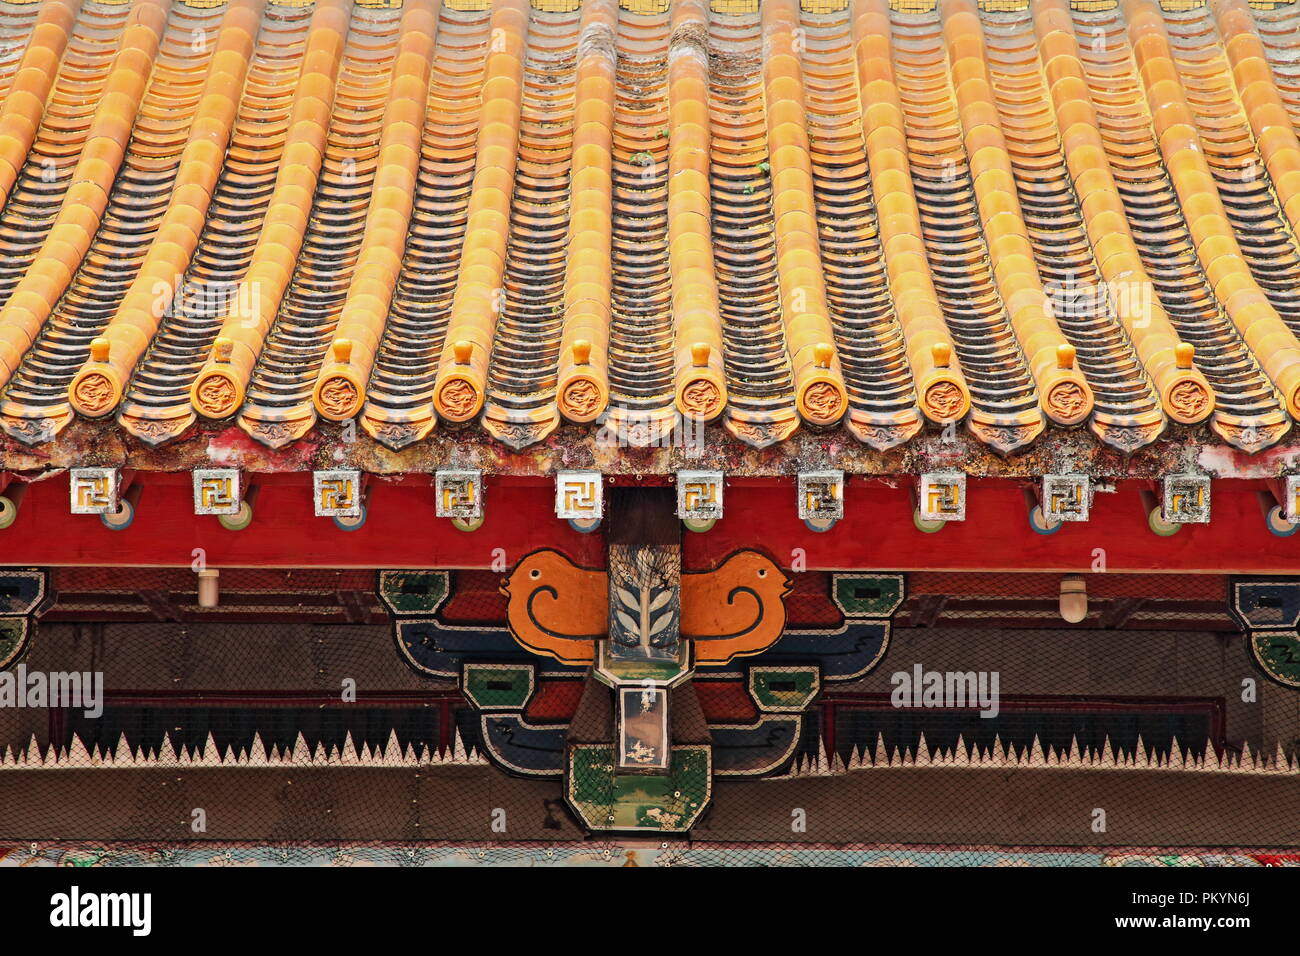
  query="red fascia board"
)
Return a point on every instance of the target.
[{"x": 877, "y": 532}]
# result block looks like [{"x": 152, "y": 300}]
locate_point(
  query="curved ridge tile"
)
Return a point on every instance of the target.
[
  {"x": 820, "y": 394},
  {"x": 522, "y": 378},
  {"x": 33, "y": 204},
  {"x": 700, "y": 380},
  {"x": 28, "y": 87},
  {"x": 462, "y": 368},
  {"x": 1245, "y": 183},
  {"x": 582, "y": 393},
  {"x": 278, "y": 407},
  {"x": 1247, "y": 408},
  {"x": 1274, "y": 345},
  {"x": 1127, "y": 412},
  {"x": 648, "y": 216},
  {"x": 641, "y": 357},
  {"x": 37, "y": 396},
  {"x": 156, "y": 407},
  {"x": 760, "y": 404},
  {"x": 1113, "y": 259},
  {"x": 399, "y": 401},
  {"x": 1277, "y": 30},
  {"x": 1005, "y": 411},
  {"x": 219, "y": 388},
  {"x": 941, "y": 386},
  {"x": 341, "y": 382},
  {"x": 96, "y": 389},
  {"x": 1064, "y": 393},
  {"x": 882, "y": 399},
  {"x": 1252, "y": 89},
  {"x": 69, "y": 240},
  {"x": 18, "y": 20}
]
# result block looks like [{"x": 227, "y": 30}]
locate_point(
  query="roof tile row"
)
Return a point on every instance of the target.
[{"x": 1061, "y": 214}]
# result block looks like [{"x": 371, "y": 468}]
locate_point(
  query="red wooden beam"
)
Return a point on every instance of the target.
[
  {"x": 401, "y": 530},
  {"x": 877, "y": 532}
]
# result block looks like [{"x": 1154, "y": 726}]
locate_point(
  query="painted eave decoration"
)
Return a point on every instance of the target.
[
  {"x": 760, "y": 669},
  {"x": 864, "y": 221}
]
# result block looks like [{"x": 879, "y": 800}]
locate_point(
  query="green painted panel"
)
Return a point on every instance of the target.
[
  {"x": 869, "y": 595},
  {"x": 492, "y": 687},
  {"x": 783, "y": 688},
  {"x": 1278, "y": 653},
  {"x": 412, "y": 592},
  {"x": 666, "y": 803}
]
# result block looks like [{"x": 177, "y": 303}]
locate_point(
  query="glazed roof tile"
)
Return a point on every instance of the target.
[{"x": 840, "y": 213}]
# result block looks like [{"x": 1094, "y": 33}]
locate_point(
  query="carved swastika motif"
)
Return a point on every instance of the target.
[
  {"x": 1186, "y": 499},
  {"x": 579, "y": 495},
  {"x": 337, "y": 493},
  {"x": 94, "y": 491},
  {"x": 942, "y": 496},
  {"x": 460, "y": 493},
  {"x": 821, "y": 495},
  {"x": 1066, "y": 497},
  {"x": 699, "y": 495},
  {"x": 216, "y": 491}
]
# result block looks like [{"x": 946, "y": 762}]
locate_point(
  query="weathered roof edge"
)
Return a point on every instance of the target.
[{"x": 90, "y": 443}]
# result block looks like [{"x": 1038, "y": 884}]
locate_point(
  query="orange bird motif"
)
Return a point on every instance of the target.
[{"x": 560, "y": 610}]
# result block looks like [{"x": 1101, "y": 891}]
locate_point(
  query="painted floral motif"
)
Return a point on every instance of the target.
[{"x": 586, "y": 854}]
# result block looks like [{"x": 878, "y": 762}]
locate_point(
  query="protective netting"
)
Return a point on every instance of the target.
[{"x": 289, "y": 725}]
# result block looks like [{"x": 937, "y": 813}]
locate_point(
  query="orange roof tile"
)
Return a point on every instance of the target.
[{"x": 845, "y": 213}]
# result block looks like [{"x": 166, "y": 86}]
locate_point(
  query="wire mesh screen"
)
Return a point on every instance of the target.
[{"x": 985, "y": 717}]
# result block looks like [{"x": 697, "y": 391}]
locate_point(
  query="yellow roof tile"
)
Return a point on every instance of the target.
[{"x": 856, "y": 211}]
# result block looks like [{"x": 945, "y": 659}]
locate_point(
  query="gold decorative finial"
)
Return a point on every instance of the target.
[{"x": 1065, "y": 356}]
